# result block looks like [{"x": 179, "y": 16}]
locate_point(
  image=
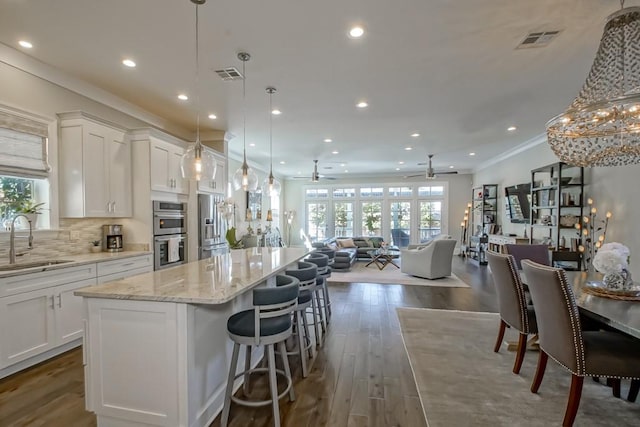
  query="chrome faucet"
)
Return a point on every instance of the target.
[{"x": 12, "y": 238}]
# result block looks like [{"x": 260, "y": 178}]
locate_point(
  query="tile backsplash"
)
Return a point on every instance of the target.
[{"x": 49, "y": 244}]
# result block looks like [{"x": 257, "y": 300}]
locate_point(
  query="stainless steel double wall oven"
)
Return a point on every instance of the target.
[{"x": 169, "y": 234}]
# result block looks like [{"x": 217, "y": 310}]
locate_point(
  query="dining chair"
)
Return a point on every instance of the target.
[
  {"x": 583, "y": 353},
  {"x": 536, "y": 253},
  {"x": 514, "y": 311}
]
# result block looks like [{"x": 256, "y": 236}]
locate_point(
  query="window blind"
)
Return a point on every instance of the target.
[{"x": 23, "y": 146}]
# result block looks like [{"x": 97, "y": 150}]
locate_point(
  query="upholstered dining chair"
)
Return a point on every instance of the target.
[
  {"x": 536, "y": 253},
  {"x": 514, "y": 311},
  {"x": 583, "y": 353}
]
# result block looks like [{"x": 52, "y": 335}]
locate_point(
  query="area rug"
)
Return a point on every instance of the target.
[
  {"x": 462, "y": 382},
  {"x": 390, "y": 275}
]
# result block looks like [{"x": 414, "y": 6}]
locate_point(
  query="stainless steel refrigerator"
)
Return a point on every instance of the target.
[{"x": 211, "y": 227}]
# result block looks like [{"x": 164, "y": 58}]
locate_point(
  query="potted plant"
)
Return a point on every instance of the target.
[
  {"x": 95, "y": 246},
  {"x": 31, "y": 210}
]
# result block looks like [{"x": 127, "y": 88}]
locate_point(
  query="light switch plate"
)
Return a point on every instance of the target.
[{"x": 74, "y": 235}]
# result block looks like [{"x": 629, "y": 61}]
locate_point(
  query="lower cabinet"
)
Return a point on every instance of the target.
[
  {"x": 39, "y": 311},
  {"x": 40, "y": 320}
]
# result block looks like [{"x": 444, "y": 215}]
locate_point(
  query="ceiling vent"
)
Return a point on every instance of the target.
[
  {"x": 538, "y": 39},
  {"x": 230, "y": 73}
]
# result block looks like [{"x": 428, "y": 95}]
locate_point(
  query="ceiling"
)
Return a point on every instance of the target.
[{"x": 447, "y": 70}]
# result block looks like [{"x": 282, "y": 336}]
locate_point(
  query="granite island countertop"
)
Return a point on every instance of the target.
[{"x": 214, "y": 280}]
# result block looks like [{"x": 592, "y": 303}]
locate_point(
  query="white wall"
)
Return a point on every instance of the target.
[
  {"x": 459, "y": 196},
  {"x": 611, "y": 189}
]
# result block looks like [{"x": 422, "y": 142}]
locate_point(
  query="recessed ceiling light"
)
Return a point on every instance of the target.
[
  {"x": 299, "y": 173},
  {"x": 415, "y": 134},
  {"x": 129, "y": 63},
  {"x": 451, "y": 167},
  {"x": 472, "y": 154},
  {"x": 408, "y": 148},
  {"x": 276, "y": 112},
  {"x": 183, "y": 97},
  {"x": 252, "y": 144},
  {"x": 334, "y": 152},
  {"x": 362, "y": 104},
  {"x": 511, "y": 128},
  {"x": 343, "y": 164},
  {"x": 397, "y": 169},
  {"x": 282, "y": 162},
  {"x": 356, "y": 32},
  {"x": 346, "y": 171},
  {"x": 328, "y": 140},
  {"x": 401, "y": 163},
  {"x": 25, "y": 44},
  {"x": 213, "y": 116}
]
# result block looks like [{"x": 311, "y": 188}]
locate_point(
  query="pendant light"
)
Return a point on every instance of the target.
[
  {"x": 198, "y": 163},
  {"x": 271, "y": 186},
  {"x": 245, "y": 178},
  {"x": 602, "y": 125}
]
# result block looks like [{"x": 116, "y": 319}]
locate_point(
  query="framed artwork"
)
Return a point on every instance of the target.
[{"x": 254, "y": 206}]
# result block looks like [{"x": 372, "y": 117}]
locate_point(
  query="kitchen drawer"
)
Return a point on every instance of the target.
[
  {"x": 45, "y": 279},
  {"x": 125, "y": 264},
  {"x": 123, "y": 274}
]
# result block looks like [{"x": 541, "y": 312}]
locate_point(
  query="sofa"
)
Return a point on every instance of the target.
[{"x": 349, "y": 249}]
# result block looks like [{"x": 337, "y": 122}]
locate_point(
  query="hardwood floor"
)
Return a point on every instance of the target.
[{"x": 361, "y": 377}]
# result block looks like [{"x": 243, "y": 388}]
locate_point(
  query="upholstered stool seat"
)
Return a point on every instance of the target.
[
  {"x": 307, "y": 273},
  {"x": 269, "y": 323}
]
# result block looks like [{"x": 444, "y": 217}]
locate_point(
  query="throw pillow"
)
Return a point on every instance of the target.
[
  {"x": 361, "y": 243},
  {"x": 333, "y": 245},
  {"x": 375, "y": 242},
  {"x": 346, "y": 243}
]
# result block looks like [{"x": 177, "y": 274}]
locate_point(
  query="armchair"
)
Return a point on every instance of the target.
[
  {"x": 432, "y": 261},
  {"x": 400, "y": 237}
]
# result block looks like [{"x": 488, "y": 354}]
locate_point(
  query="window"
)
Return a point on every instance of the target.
[
  {"x": 400, "y": 191},
  {"x": 317, "y": 193},
  {"x": 371, "y": 218},
  {"x": 430, "y": 219},
  {"x": 339, "y": 193},
  {"x": 400, "y": 216},
  {"x": 316, "y": 220},
  {"x": 371, "y": 192},
  {"x": 343, "y": 219},
  {"x": 436, "y": 190}
]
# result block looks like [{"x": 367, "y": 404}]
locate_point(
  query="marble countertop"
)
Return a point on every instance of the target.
[
  {"x": 214, "y": 280},
  {"x": 74, "y": 260}
]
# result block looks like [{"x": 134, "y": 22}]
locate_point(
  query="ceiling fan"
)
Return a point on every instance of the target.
[
  {"x": 431, "y": 173},
  {"x": 315, "y": 176}
]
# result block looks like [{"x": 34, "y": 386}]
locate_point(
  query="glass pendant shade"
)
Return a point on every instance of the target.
[
  {"x": 245, "y": 178},
  {"x": 271, "y": 186},
  {"x": 602, "y": 125},
  {"x": 198, "y": 163}
]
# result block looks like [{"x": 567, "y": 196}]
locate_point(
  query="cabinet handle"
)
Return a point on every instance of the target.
[
  {"x": 113, "y": 207},
  {"x": 59, "y": 300},
  {"x": 129, "y": 264},
  {"x": 52, "y": 302}
]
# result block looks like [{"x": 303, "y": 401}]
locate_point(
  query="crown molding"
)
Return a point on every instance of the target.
[
  {"x": 30, "y": 65},
  {"x": 527, "y": 145}
]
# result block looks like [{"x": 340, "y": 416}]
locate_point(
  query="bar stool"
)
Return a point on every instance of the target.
[
  {"x": 324, "y": 272},
  {"x": 332, "y": 257},
  {"x": 268, "y": 323},
  {"x": 307, "y": 273},
  {"x": 305, "y": 348}
]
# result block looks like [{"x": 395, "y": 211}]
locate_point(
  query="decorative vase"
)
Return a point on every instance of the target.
[
  {"x": 617, "y": 281},
  {"x": 96, "y": 249}
]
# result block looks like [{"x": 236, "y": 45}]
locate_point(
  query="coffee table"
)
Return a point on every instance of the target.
[{"x": 382, "y": 258}]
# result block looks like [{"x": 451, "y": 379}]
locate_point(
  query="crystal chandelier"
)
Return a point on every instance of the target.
[
  {"x": 197, "y": 163},
  {"x": 244, "y": 178},
  {"x": 271, "y": 186},
  {"x": 602, "y": 125}
]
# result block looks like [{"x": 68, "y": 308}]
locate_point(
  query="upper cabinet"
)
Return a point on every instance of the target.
[
  {"x": 95, "y": 168},
  {"x": 165, "y": 167},
  {"x": 218, "y": 184}
]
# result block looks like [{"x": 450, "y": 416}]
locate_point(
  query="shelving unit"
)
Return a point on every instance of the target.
[
  {"x": 557, "y": 194},
  {"x": 484, "y": 219}
]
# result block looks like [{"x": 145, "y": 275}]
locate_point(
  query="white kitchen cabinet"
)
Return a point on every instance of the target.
[
  {"x": 109, "y": 271},
  {"x": 165, "y": 167},
  {"x": 28, "y": 328},
  {"x": 95, "y": 168},
  {"x": 69, "y": 311},
  {"x": 218, "y": 184}
]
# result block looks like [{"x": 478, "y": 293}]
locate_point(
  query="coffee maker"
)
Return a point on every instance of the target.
[{"x": 112, "y": 238}]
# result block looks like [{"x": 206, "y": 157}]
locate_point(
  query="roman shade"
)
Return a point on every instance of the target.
[{"x": 23, "y": 146}]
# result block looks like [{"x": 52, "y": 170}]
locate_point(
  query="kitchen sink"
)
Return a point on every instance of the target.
[{"x": 22, "y": 266}]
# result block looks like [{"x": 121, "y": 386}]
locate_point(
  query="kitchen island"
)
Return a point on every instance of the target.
[{"x": 156, "y": 349}]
